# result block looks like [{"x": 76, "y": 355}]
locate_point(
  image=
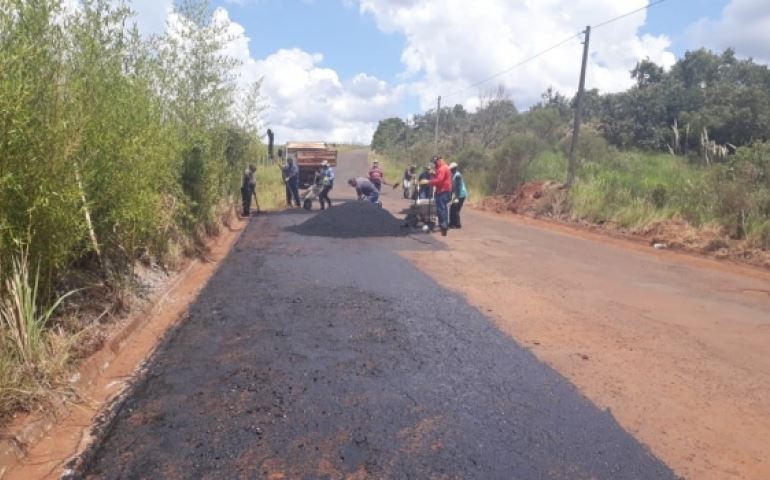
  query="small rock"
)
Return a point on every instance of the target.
[{"x": 659, "y": 246}]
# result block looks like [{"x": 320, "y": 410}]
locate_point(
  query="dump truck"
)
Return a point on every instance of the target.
[{"x": 309, "y": 156}]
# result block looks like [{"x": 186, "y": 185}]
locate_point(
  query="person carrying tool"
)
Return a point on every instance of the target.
[
  {"x": 291, "y": 179},
  {"x": 459, "y": 194},
  {"x": 365, "y": 189},
  {"x": 443, "y": 184},
  {"x": 327, "y": 180},
  {"x": 376, "y": 175},
  {"x": 248, "y": 188},
  {"x": 423, "y": 181}
]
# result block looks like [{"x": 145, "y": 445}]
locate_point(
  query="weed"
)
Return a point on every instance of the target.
[{"x": 33, "y": 355}]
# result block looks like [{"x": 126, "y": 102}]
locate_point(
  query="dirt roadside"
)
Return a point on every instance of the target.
[
  {"x": 674, "y": 346},
  {"x": 130, "y": 346}
]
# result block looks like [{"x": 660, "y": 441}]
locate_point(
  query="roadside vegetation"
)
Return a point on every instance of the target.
[
  {"x": 688, "y": 145},
  {"x": 114, "y": 149}
]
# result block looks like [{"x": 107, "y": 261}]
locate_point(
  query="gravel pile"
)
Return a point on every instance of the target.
[{"x": 352, "y": 220}]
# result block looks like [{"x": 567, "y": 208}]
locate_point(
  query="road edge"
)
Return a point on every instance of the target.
[{"x": 20, "y": 439}]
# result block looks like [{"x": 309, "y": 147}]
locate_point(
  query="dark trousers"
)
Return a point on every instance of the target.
[
  {"x": 246, "y": 194},
  {"x": 454, "y": 213},
  {"x": 377, "y": 185},
  {"x": 292, "y": 192},
  {"x": 324, "y": 196},
  {"x": 442, "y": 209}
]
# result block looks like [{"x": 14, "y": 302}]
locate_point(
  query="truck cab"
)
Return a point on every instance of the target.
[{"x": 308, "y": 156}]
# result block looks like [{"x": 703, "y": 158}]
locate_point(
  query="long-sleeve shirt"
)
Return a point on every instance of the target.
[
  {"x": 443, "y": 179},
  {"x": 328, "y": 174},
  {"x": 364, "y": 187},
  {"x": 458, "y": 185},
  {"x": 291, "y": 172}
]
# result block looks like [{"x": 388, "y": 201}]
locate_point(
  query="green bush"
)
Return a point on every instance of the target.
[{"x": 112, "y": 147}]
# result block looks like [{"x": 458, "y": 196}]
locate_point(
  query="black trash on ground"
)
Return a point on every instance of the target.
[{"x": 352, "y": 220}]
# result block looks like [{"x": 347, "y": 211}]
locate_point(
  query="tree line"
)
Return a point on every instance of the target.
[{"x": 710, "y": 113}]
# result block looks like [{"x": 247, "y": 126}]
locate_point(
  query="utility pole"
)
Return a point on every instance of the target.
[
  {"x": 406, "y": 137},
  {"x": 438, "y": 113},
  {"x": 578, "y": 110}
]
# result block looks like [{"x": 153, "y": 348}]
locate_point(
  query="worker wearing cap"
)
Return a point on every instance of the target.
[
  {"x": 442, "y": 182},
  {"x": 376, "y": 175},
  {"x": 459, "y": 194},
  {"x": 327, "y": 180}
]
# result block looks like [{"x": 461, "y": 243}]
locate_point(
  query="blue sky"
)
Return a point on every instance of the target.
[
  {"x": 351, "y": 42},
  {"x": 333, "y": 68}
]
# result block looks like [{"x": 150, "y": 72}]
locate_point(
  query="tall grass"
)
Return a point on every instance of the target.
[
  {"x": 635, "y": 189},
  {"x": 271, "y": 190},
  {"x": 32, "y": 355}
]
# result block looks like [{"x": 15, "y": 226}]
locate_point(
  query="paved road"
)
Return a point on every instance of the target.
[
  {"x": 310, "y": 357},
  {"x": 675, "y": 345}
]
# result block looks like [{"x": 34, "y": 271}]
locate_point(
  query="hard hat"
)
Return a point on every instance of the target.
[{"x": 452, "y": 165}]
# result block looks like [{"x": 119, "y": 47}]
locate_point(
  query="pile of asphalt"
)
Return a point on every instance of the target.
[{"x": 352, "y": 220}]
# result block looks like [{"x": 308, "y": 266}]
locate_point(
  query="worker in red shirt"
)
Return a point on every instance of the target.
[{"x": 442, "y": 182}]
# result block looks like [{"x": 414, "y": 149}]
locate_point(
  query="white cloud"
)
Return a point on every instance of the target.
[
  {"x": 451, "y": 44},
  {"x": 744, "y": 26},
  {"x": 306, "y": 100}
]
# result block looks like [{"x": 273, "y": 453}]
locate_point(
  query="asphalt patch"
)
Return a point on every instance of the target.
[{"x": 352, "y": 220}]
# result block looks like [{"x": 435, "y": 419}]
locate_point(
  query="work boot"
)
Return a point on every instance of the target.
[{"x": 443, "y": 231}]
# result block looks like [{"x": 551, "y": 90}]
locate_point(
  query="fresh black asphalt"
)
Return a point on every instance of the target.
[{"x": 318, "y": 357}]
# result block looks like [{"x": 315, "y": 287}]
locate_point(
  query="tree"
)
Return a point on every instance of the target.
[
  {"x": 389, "y": 132},
  {"x": 647, "y": 73}
]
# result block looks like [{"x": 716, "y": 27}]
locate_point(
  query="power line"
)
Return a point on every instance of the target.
[
  {"x": 511, "y": 68},
  {"x": 553, "y": 47},
  {"x": 620, "y": 17}
]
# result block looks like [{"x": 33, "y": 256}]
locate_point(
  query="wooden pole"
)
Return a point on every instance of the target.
[
  {"x": 578, "y": 110},
  {"x": 438, "y": 113}
]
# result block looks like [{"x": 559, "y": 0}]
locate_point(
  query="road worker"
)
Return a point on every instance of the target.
[
  {"x": 291, "y": 179},
  {"x": 459, "y": 194},
  {"x": 248, "y": 187},
  {"x": 327, "y": 180},
  {"x": 365, "y": 189},
  {"x": 442, "y": 182}
]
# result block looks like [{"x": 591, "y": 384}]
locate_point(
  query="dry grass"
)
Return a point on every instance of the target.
[{"x": 34, "y": 355}]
